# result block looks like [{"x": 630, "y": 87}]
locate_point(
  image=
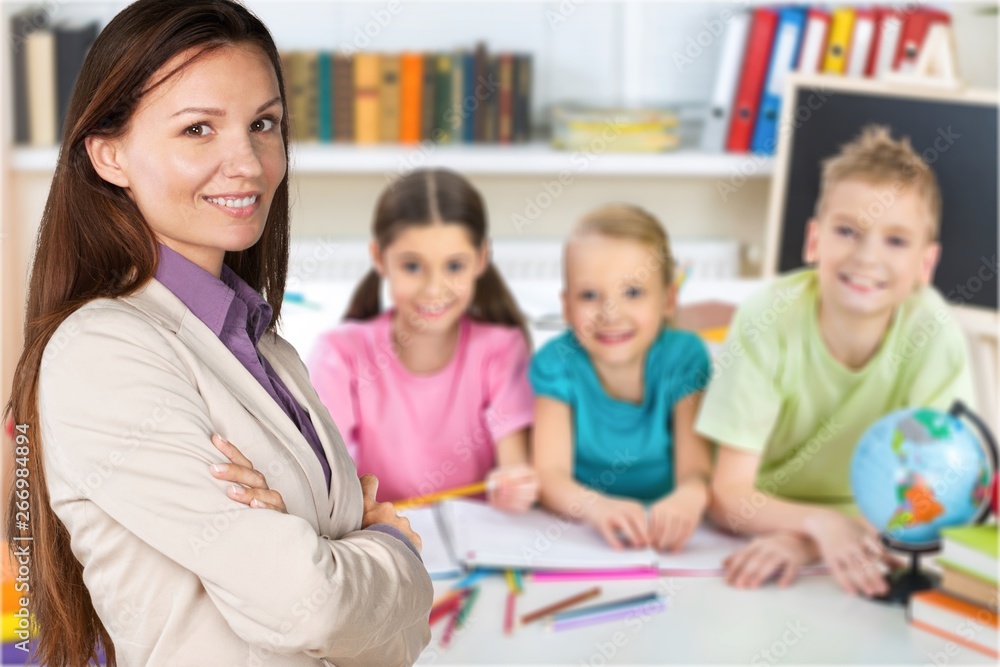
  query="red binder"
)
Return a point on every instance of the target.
[
  {"x": 755, "y": 62},
  {"x": 915, "y": 30},
  {"x": 883, "y": 15}
]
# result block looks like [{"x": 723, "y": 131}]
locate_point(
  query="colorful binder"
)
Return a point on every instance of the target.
[
  {"x": 841, "y": 27},
  {"x": 784, "y": 55},
  {"x": 727, "y": 78},
  {"x": 748, "y": 93}
]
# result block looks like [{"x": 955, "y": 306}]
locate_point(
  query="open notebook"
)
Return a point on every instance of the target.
[{"x": 466, "y": 533}]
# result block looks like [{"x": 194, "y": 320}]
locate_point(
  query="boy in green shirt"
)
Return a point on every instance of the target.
[{"x": 821, "y": 354}]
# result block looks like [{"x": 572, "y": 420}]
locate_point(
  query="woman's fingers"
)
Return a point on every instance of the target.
[
  {"x": 241, "y": 474},
  {"x": 230, "y": 451},
  {"x": 257, "y": 498}
]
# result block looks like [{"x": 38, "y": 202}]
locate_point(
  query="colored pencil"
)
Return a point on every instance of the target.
[
  {"x": 649, "y": 607},
  {"x": 508, "y": 617},
  {"x": 519, "y": 580},
  {"x": 471, "y": 578},
  {"x": 440, "y": 611},
  {"x": 589, "y": 575},
  {"x": 556, "y": 607},
  {"x": 511, "y": 583},
  {"x": 449, "y": 630},
  {"x": 457, "y": 492},
  {"x": 470, "y": 600},
  {"x": 606, "y": 606}
]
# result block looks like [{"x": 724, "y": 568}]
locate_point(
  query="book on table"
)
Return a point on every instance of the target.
[
  {"x": 972, "y": 550},
  {"x": 458, "y": 534}
]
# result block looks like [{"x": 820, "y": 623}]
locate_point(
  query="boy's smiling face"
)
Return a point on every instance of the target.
[{"x": 872, "y": 246}]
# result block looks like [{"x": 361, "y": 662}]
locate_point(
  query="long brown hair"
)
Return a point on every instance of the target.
[
  {"x": 94, "y": 243},
  {"x": 427, "y": 197}
]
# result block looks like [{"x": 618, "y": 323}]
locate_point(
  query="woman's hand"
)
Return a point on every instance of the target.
[
  {"x": 512, "y": 488},
  {"x": 673, "y": 520},
  {"x": 769, "y": 556},
  {"x": 250, "y": 487},
  {"x": 621, "y": 522},
  {"x": 376, "y": 512}
]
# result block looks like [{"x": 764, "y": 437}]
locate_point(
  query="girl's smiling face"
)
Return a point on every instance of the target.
[
  {"x": 203, "y": 154},
  {"x": 615, "y": 299},
  {"x": 432, "y": 272}
]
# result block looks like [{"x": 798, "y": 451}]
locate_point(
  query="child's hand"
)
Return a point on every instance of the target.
[
  {"x": 621, "y": 522},
  {"x": 854, "y": 553},
  {"x": 513, "y": 488},
  {"x": 674, "y": 519},
  {"x": 768, "y": 556}
]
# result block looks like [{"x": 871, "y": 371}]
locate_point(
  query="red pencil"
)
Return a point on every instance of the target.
[
  {"x": 450, "y": 628},
  {"x": 441, "y": 610},
  {"x": 508, "y": 618}
]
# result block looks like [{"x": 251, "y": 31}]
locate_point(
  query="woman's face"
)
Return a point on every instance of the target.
[{"x": 203, "y": 154}]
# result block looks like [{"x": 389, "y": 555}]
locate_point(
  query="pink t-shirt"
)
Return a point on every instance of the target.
[{"x": 423, "y": 433}]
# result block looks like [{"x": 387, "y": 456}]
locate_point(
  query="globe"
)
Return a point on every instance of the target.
[{"x": 918, "y": 470}]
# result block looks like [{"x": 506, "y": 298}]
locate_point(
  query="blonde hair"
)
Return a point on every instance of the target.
[
  {"x": 875, "y": 157},
  {"x": 625, "y": 221}
]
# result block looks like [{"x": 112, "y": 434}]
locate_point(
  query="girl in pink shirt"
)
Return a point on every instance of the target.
[{"x": 432, "y": 394}]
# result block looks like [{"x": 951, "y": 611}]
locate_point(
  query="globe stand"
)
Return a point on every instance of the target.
[{"x": 906, "y": 581}]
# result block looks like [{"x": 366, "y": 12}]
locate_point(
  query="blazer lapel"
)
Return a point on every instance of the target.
[
  {"x": 290, "y": 372},
  {"x": 160, "y": 303}
]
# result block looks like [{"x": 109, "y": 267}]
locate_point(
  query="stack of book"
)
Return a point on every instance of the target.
[
  {"x": 964, "y": 608},
  {"x": 761, "y": 46},
  {"x": 45, "y": 62},
  {"x": 371, "y": 98},
  {"x": 616, "y": 130}
]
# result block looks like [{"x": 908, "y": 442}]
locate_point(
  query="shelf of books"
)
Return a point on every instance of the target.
[{"x": 537, "y": 158}]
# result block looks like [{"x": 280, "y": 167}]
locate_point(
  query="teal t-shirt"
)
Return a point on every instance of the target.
[{"x": 622, "y": 448}]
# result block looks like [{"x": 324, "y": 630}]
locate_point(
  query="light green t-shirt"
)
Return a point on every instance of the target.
[{"x": 777, "y": 390}]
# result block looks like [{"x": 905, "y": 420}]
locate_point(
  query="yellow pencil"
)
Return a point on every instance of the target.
[{"x": 458, "y": 492}]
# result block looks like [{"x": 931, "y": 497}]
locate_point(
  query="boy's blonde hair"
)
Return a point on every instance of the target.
[
  {"x": 625, "y": 221},
  {"x": 875, "y": 157}
]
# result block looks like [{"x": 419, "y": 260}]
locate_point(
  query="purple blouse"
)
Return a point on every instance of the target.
[{"x": 238, "y": 316}]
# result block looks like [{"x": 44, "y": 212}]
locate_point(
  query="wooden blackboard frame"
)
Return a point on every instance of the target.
[{"x": 975, "y": 319}]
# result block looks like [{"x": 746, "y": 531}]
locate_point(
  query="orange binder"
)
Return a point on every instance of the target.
[
  {"x": 755, "y": 62},
  {"x": 367, "y": 73},
  {"x": 915, "y": 30},
  {"x": 410, "y": 97}
]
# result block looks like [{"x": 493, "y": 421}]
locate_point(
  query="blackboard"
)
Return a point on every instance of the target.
[{"x": 964, "y": 159}]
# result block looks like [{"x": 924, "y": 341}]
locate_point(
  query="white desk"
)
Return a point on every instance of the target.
[{"x": 706, "y": 621}]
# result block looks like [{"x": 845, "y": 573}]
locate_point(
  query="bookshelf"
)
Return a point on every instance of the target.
[{"x": 536, "y": 158}]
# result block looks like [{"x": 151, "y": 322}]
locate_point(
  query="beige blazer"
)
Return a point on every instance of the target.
[{"x": 130, "y": 392}]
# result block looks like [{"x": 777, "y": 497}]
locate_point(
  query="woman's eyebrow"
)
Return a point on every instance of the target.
[{"x": 213, "y": 111}]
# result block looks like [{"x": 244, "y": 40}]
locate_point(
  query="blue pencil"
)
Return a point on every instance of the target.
[{"x": 612, "y": 605}]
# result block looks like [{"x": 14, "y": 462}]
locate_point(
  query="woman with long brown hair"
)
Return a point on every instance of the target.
[{"x": 150, "y": 336}]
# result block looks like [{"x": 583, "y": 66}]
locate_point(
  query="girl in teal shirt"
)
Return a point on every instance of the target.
[{"x": 617, "y": 395}]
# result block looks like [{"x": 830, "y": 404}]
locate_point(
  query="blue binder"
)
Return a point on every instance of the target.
[{"x": 784, "y": 56}]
